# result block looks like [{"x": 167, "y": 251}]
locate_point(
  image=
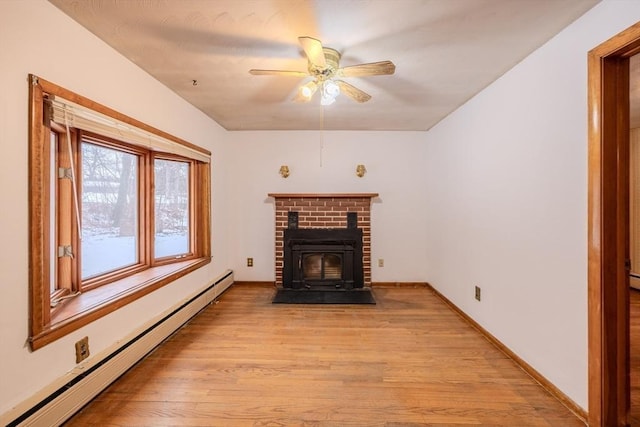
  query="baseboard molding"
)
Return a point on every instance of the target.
[
  {"x": 373, "y": 285},
  {"x": 254, "y": 283},
  {"x": 400, "y": 285},
  {"x": 528, "y": 369},
  {"x": 56, "y": 404}
]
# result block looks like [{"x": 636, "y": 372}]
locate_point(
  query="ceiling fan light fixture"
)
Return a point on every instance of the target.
[
  {"x": 308, "y": 89},
  {"x": 327, "y": 100},
  {"x": 323, "y": 65},
  {"x": 330, "y": 90}
]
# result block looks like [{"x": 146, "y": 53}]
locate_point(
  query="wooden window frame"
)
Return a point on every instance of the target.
[{"x": 111, "y": 291}]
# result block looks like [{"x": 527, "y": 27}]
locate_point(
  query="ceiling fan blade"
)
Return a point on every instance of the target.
[
  {"x": 353, "y": 92},
  {"x": 313, "y": 49},
  {"x": 278, "y": 73},
  {"x": 372, "y": 69}
]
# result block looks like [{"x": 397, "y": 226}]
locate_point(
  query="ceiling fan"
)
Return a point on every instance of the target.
[{"x": 324, "y": 68}]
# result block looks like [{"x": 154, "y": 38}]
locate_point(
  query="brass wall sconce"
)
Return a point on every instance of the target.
[
  {"x": 284, "y": 171},
  {"x": 360, "y": 170}
]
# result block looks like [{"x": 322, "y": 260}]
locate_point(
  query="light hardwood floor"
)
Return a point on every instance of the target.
[{"x": 407, "y": 361}]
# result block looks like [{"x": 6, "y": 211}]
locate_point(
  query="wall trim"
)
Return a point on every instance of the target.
[
  {"x": 254, "y": 283},
  {"x": 401, "y": 285},
  {"x": 53, "y": 407},
  {"x": 373, "y": 285},
  {"x": 528, "y": 369}
]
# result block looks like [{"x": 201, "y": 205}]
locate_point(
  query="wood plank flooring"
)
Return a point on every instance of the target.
[{"x": 407, "y": 361}]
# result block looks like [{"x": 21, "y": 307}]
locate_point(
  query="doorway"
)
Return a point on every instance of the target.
[
  {"x": 634, "y": 240},
  {"x": 608, "y": 228}
]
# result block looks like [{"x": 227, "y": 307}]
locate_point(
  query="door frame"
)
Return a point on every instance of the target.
[{"x": 608, "y": 228}]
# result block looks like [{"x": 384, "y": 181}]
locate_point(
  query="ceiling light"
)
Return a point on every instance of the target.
[
  {"x": 309, "y": 89},
  {"x": 327, "y": 100},
  {"x": 331, "y": 88}
]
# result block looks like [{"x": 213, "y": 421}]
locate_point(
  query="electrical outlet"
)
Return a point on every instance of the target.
[
  {"x": 82, "y": 349},
  {"x": 478, "y": 293},
  {"x": 380, "y": 262},
  {"x": 249, "y": 262}
]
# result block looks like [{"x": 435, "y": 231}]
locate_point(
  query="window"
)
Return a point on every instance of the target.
[
  {"x": 171, "y": 208},
  {"x": 109, "y": 206},
  {"x": 113, "y": 212}
]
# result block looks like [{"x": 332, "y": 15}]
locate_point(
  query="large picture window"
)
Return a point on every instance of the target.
[{"x": 117, "y": 209}]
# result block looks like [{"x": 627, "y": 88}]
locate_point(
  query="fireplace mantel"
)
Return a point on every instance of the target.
[{"x": 321, "y": 195}]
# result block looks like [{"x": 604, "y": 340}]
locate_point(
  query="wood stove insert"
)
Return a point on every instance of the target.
[{"x": 327, "y": 259}]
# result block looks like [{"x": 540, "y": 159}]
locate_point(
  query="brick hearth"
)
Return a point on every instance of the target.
[{"x": 324, "y": 211}]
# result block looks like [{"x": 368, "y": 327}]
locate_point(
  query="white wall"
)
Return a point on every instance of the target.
[
  {"x": 36, "y": 38},
  {"x": 326, "y": 163},
  {"x": 507, "y": 189}
]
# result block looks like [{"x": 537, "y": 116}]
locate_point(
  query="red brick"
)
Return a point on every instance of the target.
[{"x": 321, "y": 212}]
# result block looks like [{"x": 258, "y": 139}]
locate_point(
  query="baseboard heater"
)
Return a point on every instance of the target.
[{"x": 60, "y": 405}]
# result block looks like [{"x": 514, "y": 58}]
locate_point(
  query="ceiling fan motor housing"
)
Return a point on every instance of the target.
[{"x": 332, "y": 59}]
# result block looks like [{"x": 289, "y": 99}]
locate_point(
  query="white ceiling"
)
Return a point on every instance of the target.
[{"x": 445, "y": 51}]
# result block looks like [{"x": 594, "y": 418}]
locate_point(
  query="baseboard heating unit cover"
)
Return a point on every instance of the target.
[{"x": 54, "y": 407}]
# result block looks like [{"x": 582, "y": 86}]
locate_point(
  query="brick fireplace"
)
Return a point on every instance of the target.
[{"x": 323, "y": 211}]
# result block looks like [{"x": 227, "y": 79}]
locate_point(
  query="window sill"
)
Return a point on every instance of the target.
[{"x": 79, "y": 311}]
